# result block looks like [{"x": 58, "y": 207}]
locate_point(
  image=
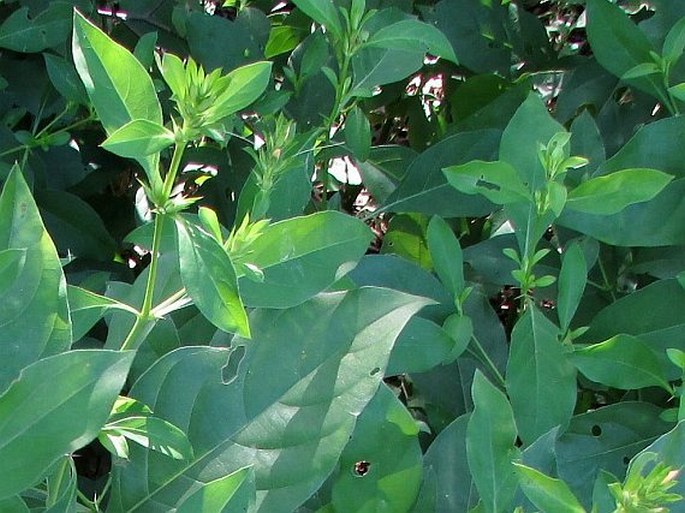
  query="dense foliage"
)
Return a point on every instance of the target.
[{"x": 342, "y": 256}]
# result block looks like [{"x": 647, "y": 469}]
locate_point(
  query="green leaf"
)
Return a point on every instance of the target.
[
  {"x": 87, "y": 308},
  {"x": 381, "y": 467},
  {"x": 605, "y": 439},
  {"x": 172, "y": 69},
  {"x": 230, "y": 491},
  {"x": 412, "y": 35},
  {"x": 357, "y": 132},
  {"x": 641, "y": 70},
  {"x": 117, "y": 84},
  {"x": 65, "y": 79},
  {"x": 324, "y": 12},
  {"x": 42, "y": 419},
  {"x": 497, "y": 181},
  {"x": 302, "y": 256},
  {"x": 547, "y": 493},
  {"x": 617, "y": 43},
  {"x": 674, "y": 44},
  {"x": 572, "y": 279},
  {"x": 490, "y": 438},
  {"x": 460, "y": 329},
  {"x": 14, "y": 504},
  {"x": 152, "y": 432},
  {"x": 446, "y": 255},
  {"x": 623, "y": 361},
  {"x": 424, "y": 187},
  {"x": 537, "y": 360},
  {"x": 609, "y": 194},
  {"x": 421, "y": 346},
  {"x": 210, "y": 279},
  {"x": 34, "y": 305},
  {"x": 285, "y": 403},
  {"x": 138, "y": 138},
  {"x": 678, "y": 91},
  {"x": 242, "y": 87},
  {"x": 50, "y": 28}
]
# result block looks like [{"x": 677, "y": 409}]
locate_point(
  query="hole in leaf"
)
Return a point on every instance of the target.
[
  {"x": 626, "y": 460},
  {"x": 230, "y": 371},
  {"x": 374, "y": 371},
  {"x": 487, "y": 185},
  {"x": 596, "y": 430},
  {"x": 361, "y": 468}
]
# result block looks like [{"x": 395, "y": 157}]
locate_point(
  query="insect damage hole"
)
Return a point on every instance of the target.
[{"x": 361, "y": 468}]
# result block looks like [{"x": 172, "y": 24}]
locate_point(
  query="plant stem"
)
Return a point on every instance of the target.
[{"x": 170, "y": 178}]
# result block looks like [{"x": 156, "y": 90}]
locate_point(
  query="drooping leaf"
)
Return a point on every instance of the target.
[
  {"x": 323, "y": 12},
  {"x": 302, "y": 256},
  {"x": 285, "y": 402},
  {"x": 536, "y": 360},
  {"x": 117, "y": 84},
  {"x": 34, "y": 315},
  {"x": 42, "y": 419},
  {"x": 609, "y": 194},
  {"x": 413, "y": 36},
  {"x": 446, "y": 255},
  {"x": 152, "y": 432},
  {"x": 571, "y": 284},
  {"x": 381, "y": 467},
  {"x": 49, "y": 28},
  {"x": 623, "y": 361},
  {"x": 490, "y": 450},
  {"x": 87, "y": 307},
  {"x": 210, "y": 279},
  {"x": 547, "y": 493},
  {"x": 138, "y": 138}
]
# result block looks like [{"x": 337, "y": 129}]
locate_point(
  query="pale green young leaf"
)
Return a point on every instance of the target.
[
  {"x": 497, "y": 181},
  {"x": 572, "y": 279},
  {"x": 490, "y": 438},
  {"x": 152, "y": 432},
  {"x": 641, "y": 70},
  {"x": 678, "y": 91},
  {"x": 138, "y": 139},
  {"x": 623, "y": 361},
  {"x": 446, "y": 255},
  {"x": 43, "y": 419},
  {"x": 609, "y": 194},
  {"x": 674, "y": 44},
  {"x": 412, "y": 35},
  {"x": 240, "y": 88},
  {"x": 210, "y": 222},
  {"x": 547, "y": 493},
  {"x": 210, "y": 279},
  {"x": 117, "y": 84},
  {"x": 172, "y": 69},
  {"x": 677, "y": 357}
]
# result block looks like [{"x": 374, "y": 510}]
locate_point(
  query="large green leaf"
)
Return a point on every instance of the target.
[
  {"x": 47, "y": 29},
  {"x": 448, "y": 482},
  {"x": 210, "y": 278},
  {"x": 413, "y": 36},
  {"x": 243, "y": 86},
  {"x": 302, "y": 256},
  {"x": 541, "y": 381},
  {"x": 618, "y": 44},
  {"x": 446, "y": 255},
  {"x": 231, "y": 491},
  {"x": 547, "y": 493},
  {"x": 609, "y": 194},
  {"x": 323, "y": 12},
  {"x": 139, "y": 138},
  {"x": 490, "y": 450},
  {"x": 56, "y": 405},
  {"x": 34, "y": 316},
  {"x": 623, "y": 361},
  {"x": 117, "y": 84},
  {"x": 421, "y": 346},
  {"x": 605, "y": 439},
  {"x": 498, "y": 181},
  {"x": 424, "y": 187},
  {"x": 661, "y": 328},
  {"x": 572, "y": 279},
  {"x": 287, "y": 407},
  {"x": 381, "y": 467}
]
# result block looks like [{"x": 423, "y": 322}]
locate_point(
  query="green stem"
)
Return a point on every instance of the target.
[
  {"x": 170, "y": 178},
  {"x": 53, "y": 488},
  {"x": 607, "y": 285},
  {"x": 483, "y": 357}
]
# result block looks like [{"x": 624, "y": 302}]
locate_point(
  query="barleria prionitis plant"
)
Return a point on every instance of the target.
[{"x": 333, "y": 256}]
